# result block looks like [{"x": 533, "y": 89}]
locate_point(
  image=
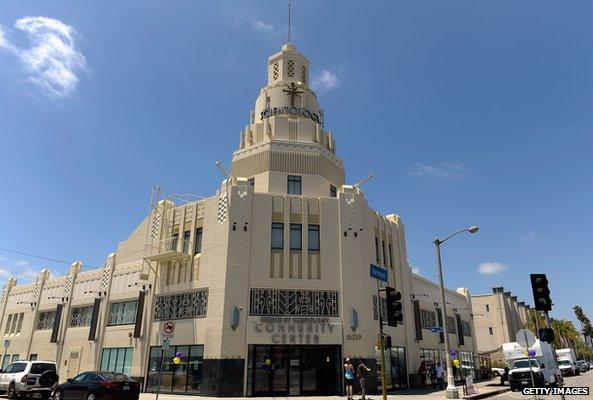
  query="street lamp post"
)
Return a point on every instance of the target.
[{"x": 452, "y": 392}]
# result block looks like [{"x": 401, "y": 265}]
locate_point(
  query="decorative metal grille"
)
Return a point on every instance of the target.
[
  {"x": 46, "y": 320},
  {"x": 290, "y": 68},
  {"x": 313, "y": 303},
  {"x": 427, "y": 319},
  {"x": 275, "y": 70},
  {"x": 304, "y": 75},
  {"x": 122, "y": 313},
  {"x": 383, "y": 309},
  {"x": 451, "y": 325},
  {"x": 182, "y": 305},
  {"x": 466, "y": 330},
  {"x": 81, "y": 316}
]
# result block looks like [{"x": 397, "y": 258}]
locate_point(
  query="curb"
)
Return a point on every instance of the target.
[{"x": 487, "y": 394}]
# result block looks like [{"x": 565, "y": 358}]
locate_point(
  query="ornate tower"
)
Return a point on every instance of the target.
[{"x": 286, "y": 135}]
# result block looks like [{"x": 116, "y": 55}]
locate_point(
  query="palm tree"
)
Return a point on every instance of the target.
[{"x": 585, "y": 325}]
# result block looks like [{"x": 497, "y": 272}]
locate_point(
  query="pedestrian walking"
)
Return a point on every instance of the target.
[
  {"x": 362, "y": 372},
  {"x": 422, "y": 373},
  {"x": 348, "y": 377},
  {"x": 440, "y": 373},
  {"x": 432, "y": 375}
]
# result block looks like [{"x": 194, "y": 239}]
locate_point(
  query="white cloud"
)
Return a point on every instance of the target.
[
  {"x": 21, "y": 263},
  {"x": 53, "y": 60},
  {"x": 491, "y": 268},
  {"x": 445, "y": 171},
  {"x": 416, "y": 270},
  {"x": 326, "y": 80},
  {"x": 529, "y": 235},
  {"x": 262, "y": 26}
]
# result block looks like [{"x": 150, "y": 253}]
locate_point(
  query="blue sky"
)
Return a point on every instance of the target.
[{"x": 468, "y": 112}]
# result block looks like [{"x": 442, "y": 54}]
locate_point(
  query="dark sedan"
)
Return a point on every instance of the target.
[{"x": 98, "y": 386}]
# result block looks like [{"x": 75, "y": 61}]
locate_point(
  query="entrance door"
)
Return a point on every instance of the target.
[{"x": 329, "y": 369}]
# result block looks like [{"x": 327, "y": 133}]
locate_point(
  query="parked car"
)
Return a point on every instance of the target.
[
  {"x": 26, "y": 378},
  {"x": 98, "y": 385},
  {"x": 582, "y": 365},
  {"x": 497, "y": 371}
]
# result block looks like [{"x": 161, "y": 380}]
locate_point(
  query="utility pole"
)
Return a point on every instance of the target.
[
  {"x": 381, "y": 343},
  {"x": 549, "y": 325}
]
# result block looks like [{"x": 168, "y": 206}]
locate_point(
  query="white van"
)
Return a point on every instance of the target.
[
  {"x": 567, "y": 361},
  {"x": 543, "y": 365}
]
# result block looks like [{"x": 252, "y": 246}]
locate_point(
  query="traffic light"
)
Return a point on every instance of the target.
[
  {"x": 541, "y": 293},
  {"x": 394, "y": 306},
  {"x": 546, "y": 335}
]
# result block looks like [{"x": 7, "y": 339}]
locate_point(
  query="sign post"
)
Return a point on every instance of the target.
[
  {"x": 526, "y": 338},
  {"x": 166, "y": 335},
  {"x": 380, "y": 274}
]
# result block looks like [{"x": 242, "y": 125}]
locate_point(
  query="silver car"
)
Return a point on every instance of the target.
[
  {"x": 25, "y": 378},
  {"x": 582, "y": 365}
]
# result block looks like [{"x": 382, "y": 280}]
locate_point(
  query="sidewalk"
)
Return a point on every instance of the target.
[{"x": 413, "y": 394}]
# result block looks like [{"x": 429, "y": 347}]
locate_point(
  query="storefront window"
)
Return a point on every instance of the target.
[
  {"x": 185, "y": 377},
  {"x": 117, "y": 359}
]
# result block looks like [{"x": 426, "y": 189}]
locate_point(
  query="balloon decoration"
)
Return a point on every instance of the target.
[
  {"x": 268, "y": 361},
  {"x": 453, "y": 353},
  {"x": 176, "y": 360},
  {"x": 178, "y": 354},
  {"x": 456, "y": 362},
  {"x": 531, "y": 353},
  {"x": 526, "y": 353}
]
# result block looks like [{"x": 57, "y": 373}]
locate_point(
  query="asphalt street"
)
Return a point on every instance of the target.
[{"x": 585, "y": 379}]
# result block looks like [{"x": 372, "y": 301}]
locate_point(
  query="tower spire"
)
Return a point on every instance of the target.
[{"x": 289, "y": 22}]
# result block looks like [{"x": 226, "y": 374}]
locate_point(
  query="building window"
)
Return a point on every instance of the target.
[
  {"x": 377, "y": 249},
  {"x": 186, "y": 236},
  {"x": 451, "y": 325},
  {"x": 281, "y": 302},
  {"x": 390, "y": 256},
  {"x": 81, "y": 316},
  {"x": 46, "y": 320},
  {"x": 304, "y": 75},
  {"x": 430, "y": 356},
  {"x": 275, "y": 70},
  {"x": 117, "y": 360},
  {"x": 33, "y": 357},
  {"x": 174, "y": 241},
  {"x": 294, "y": 184},
  {"x": 183, "y": 305},
  {"x": 296, "y": 237},
  {"x": 188, "y": 375},
  {"x": 290, "y": 68},
  {"x": 490, "y": 331},
  {"x": 19, "y": 326},
  {"x": 122, "y": 313},
  {"x": 15, "y": 357},
  {"x": 277, "y": 235},
  {"x": 251, "y": 182},
  {"x": 383, "y": 252},
  {"x": 427, "y": 319},
  {"x": 8, "y": 323},
  {"x": 198, "y": 246},
  {"x": 487, "y": 307},
  {"x": 465, "y": 328},
  {"x": 333, "y": 191},
  {"x": 313, "y": 238}
]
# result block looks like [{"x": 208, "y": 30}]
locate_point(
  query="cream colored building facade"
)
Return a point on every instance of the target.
[
  {"x": 497, "y": 318},
  {"x": 265, "y": 285}
]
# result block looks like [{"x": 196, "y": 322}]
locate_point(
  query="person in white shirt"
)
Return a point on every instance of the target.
[{"x": 440, "y": 373}]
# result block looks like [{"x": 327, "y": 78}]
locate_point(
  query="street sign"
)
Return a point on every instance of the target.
[
  {"x": 379, "y": 273},
  {"x": 166, "y": 344},
  {"x": 525, "y": 338},
  {"x": 436, "y": 329},
  {"x": 169, "y": 329},
  {"x": 6, "y": 343}
]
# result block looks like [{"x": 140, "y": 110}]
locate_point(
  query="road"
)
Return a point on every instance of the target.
[{"x": 585, "y": 379}]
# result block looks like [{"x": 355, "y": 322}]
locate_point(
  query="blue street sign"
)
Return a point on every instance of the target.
[
  {"x": 379, "y": 273},
  {"x": 435, "y": 329}
]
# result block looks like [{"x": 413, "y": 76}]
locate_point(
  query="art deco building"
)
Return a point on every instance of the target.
[
  {"x": 265, "y": 286},
  {"x": 497, "y": 318}
]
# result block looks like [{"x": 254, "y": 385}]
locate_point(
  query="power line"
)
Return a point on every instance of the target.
[{"x": 22, "y": 253}]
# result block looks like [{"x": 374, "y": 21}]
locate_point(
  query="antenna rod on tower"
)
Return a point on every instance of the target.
[{"x": 289, "y": 22}]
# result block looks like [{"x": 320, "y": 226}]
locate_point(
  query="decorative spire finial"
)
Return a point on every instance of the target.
[{"x": 289, "y": 22}]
